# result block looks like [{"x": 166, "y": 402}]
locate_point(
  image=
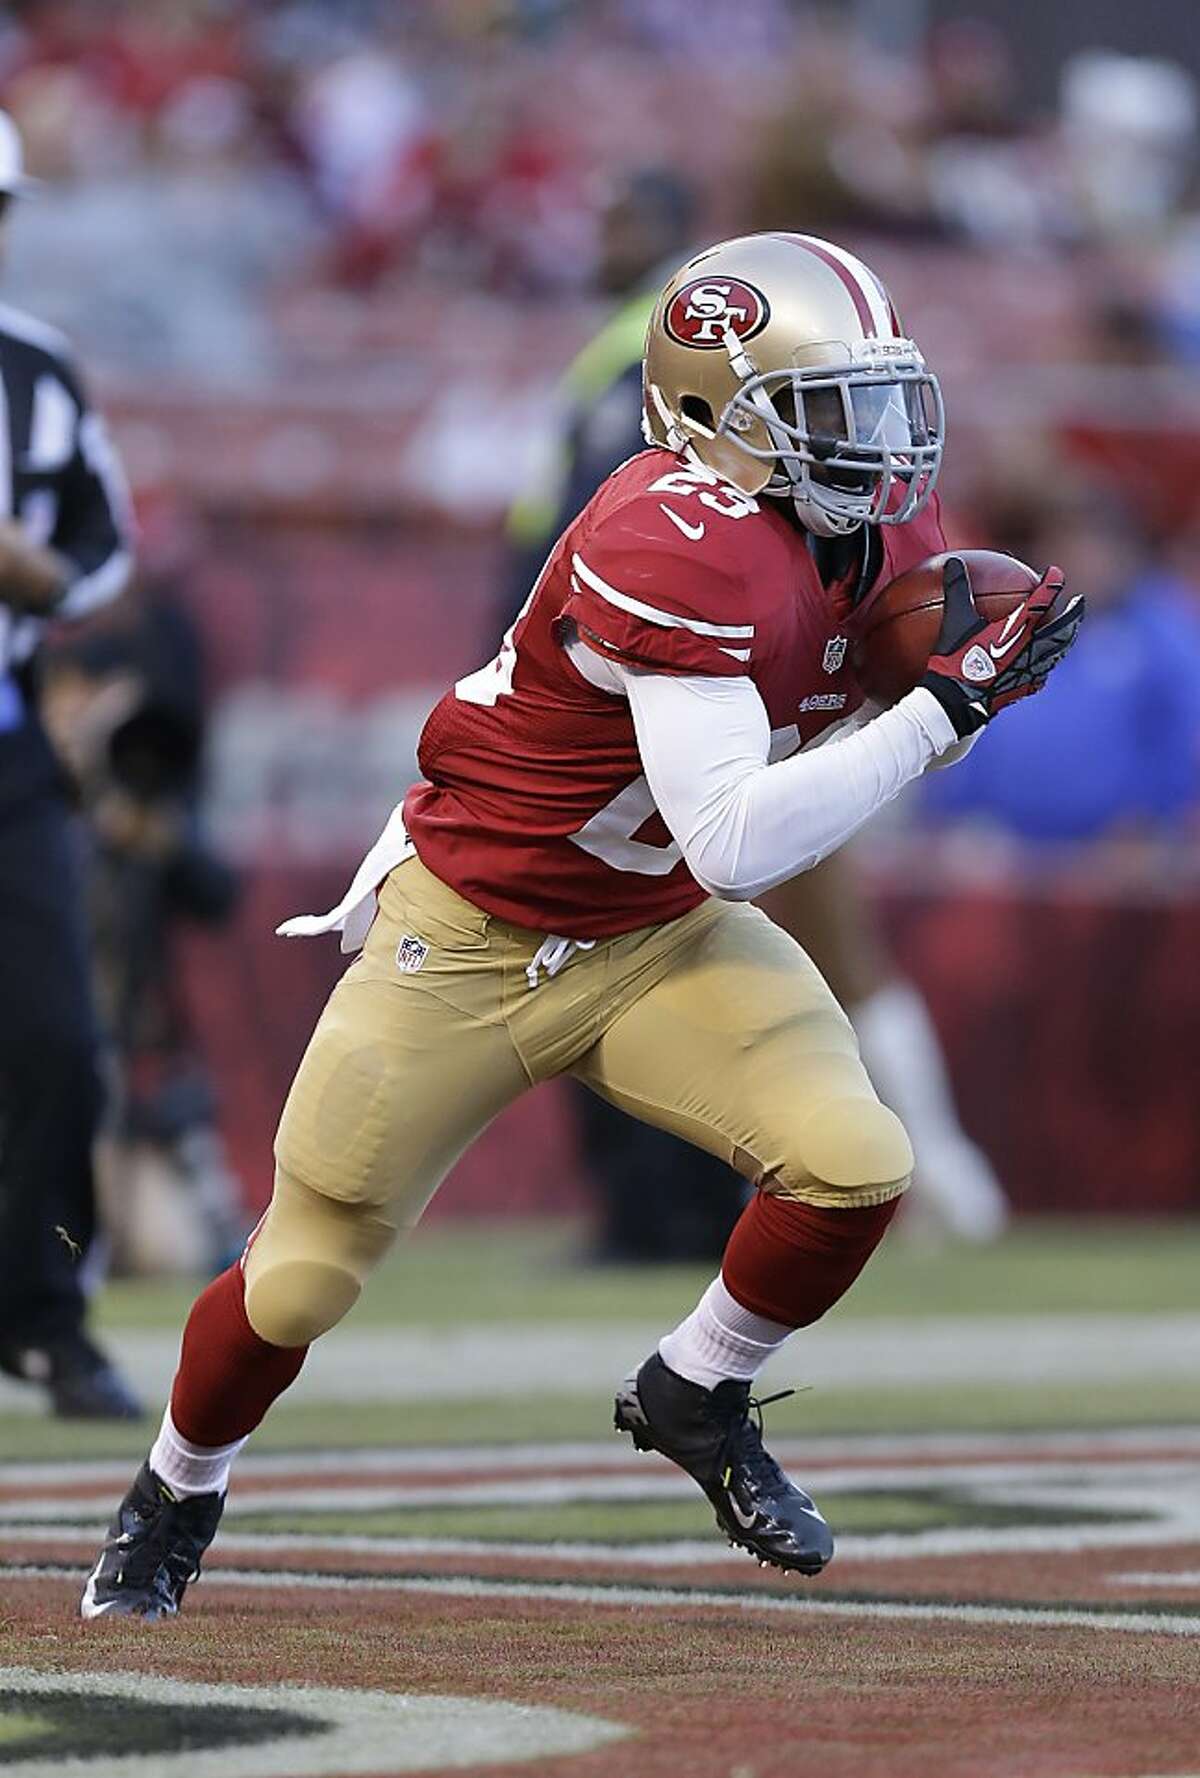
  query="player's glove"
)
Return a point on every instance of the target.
[{"x": 978, "y": 667}]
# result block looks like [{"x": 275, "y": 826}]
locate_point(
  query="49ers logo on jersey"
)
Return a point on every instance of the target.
[{"x": 703, "y": 309}]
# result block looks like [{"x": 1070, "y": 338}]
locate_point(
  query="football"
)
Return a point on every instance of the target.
[{"x": 898, "y": 626}]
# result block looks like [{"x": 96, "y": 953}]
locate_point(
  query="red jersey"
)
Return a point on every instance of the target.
[{"x": 534, "y": 805}]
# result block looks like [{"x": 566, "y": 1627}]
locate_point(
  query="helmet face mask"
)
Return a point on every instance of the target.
[
  {"x": 851, "y": 447},
  {"x": 779, "y": 361}
]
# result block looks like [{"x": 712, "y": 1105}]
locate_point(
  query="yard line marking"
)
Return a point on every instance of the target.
[
  {"x": 891, "y": 1546},
  {"x": 1175, "y": 1486},
  {"x": 1150, "y": 1577},
  {"x": 819, "y": 1451},
  {"x": 674, "y": 1599},
  {"x": 670, "y": 1485},
  {"x": 1167, "y": 1496}
]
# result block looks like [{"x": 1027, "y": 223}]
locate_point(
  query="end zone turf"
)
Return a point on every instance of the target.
[
  {"x": 1004, "y": 1604},
  {"x": 1061, "y": 1636}
]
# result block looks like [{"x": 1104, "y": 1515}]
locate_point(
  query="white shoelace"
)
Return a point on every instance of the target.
[{"x": 553, "y": 954}]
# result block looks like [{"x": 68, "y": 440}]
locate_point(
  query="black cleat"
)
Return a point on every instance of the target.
[
  {"x": 153, "y": 1551},
  {"x": 80, "y": 1381},
  {"x": 712, "y": 1435}
]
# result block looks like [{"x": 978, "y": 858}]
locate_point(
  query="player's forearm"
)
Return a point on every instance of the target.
[
  {"x": 745, "y": 825},
  {"x": 781, "y": 819},
  {"x": 33, "y": 579}
]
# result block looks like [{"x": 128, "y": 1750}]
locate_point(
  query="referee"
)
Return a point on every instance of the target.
[{"x": 64, "y": 552}]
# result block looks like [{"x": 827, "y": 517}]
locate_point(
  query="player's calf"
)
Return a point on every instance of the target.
[{"x": 786, "y": 1263}]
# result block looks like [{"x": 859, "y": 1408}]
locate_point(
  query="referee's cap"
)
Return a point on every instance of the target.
[{"x": 12, "y": 160}]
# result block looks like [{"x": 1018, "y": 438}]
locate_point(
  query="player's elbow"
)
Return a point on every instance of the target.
[
  {"x": 721, "y": 875},
  {"x": 742, "y": 877},
  {"x": 718, "y": 854},
  {"x": 735, "y": 891}
]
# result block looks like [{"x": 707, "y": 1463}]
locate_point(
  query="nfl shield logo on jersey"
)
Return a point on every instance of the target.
[
  {"x": 411, "y": 953},
  {"x": 835, "y": 653}
]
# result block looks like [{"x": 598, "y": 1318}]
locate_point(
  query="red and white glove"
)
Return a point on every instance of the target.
[{"x": 978, "y": 667}]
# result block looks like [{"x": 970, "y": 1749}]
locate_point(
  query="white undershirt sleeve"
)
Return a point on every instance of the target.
[{"x": 743, "y": 824}]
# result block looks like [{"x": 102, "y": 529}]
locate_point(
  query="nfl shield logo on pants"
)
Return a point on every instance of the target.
[
  {"x": 835, "y": 653},
  {"x": 411, "y": 953}
]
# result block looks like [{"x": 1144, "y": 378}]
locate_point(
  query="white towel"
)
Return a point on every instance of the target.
[{"x": 354, "y": 912}]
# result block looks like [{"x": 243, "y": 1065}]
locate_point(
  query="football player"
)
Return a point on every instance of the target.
[
  {"x": 659, "y": 1198},
  {"x": 568, "y": 889}
]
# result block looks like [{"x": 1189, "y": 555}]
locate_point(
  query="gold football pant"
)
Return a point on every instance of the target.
[{"x": 716, "y": 1026}]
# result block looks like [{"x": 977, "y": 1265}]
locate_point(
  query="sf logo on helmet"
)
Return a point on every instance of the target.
[{"x": 702, "y": 311}]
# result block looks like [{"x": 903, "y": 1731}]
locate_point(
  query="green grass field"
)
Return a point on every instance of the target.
[{"x": 512, "y": 1274}]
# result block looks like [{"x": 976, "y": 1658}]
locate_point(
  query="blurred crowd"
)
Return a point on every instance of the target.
[
  {"x": 420, "y": 210},
  {"x": 244, "y": 148}
]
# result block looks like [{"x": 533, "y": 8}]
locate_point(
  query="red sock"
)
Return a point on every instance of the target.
[
  {"x": 790, "y": 1261},
  {"x": 227, "y": 1377}
]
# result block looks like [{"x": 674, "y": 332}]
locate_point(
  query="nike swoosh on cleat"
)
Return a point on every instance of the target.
[
  {"x": 89, "y": 1605},
  {"x": 94, "y": 1610},
  {"x": 695, "y": 532},
  {"x": 746, "y": 1524}
]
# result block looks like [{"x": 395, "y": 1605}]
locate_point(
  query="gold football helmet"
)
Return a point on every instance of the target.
[{"x": 780, "y": 362}]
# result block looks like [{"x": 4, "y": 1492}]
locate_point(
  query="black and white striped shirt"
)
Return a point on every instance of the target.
[{"x": 60, "y": 479}]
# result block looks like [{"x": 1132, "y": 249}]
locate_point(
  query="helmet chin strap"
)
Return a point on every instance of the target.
[{"x": 813, "y": 517}]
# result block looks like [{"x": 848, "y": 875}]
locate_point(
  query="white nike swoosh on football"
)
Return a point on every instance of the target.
[
  {"x": 744, "y": 1521},
  {"x": 695, "y": 532}
]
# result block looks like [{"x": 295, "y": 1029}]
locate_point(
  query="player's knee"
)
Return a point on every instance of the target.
[
  {"x": 856, "y": 1146},
  {"x": 308, "y": 1262},
  {"x": 294, "y": 1301}
]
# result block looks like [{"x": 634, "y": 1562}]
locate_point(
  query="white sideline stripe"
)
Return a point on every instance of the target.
[
  {"x": 672, "y": 1485},
  {"x": 337, "y": 1545},
  {"x": 411, "y": 1363},
  {"x": 1152, "y": 1487},
  {"x": 1179, "y": 1577},
  {"x": 1165, "y": 1443},
  {"x": 675, "y": 1599},
  {"x": 668, "y": 619},
  {"x": 665, "y": 1553}
]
